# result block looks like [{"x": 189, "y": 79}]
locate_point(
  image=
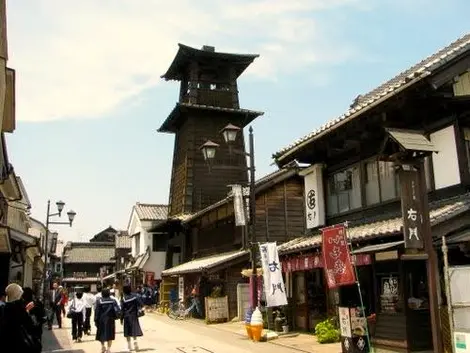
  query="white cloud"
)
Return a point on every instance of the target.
[{"x": 81, "y": 59}]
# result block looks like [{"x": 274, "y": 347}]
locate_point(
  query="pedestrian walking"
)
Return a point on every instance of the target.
[
  {"x": 64, "y": 300},
  {"x": 55, "y": 299},
  {"x": 106, "y": 312},
  {"x": 89, "y": 303},
  {"x": 77, "y": 313},
  {"x": 131, "y": 309}
]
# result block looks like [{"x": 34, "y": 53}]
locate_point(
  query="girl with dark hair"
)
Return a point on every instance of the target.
[
  {"x": 106, "y": 312},
  {"x": 131, "y": 307}
]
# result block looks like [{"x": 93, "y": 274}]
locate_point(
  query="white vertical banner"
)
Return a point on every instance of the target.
[
  {"x": 238, "y": 205},
  {"x": 274, "y": 288},
  {"x": 180, "y": 287},
  {"x": 314, "y": 196}
]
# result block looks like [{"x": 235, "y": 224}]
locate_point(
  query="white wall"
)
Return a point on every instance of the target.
[
  {"x": 445, "y": 163},
  {"x": 156, "y": 263},
  {"x": 135, "y": 226}
]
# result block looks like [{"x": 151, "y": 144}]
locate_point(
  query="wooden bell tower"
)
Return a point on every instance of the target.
[{"x": 208, "y": 101}]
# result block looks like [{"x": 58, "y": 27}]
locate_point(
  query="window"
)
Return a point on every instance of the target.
[
  {"x": 137, "y": 243},
  {"x": 344, "y": 191},
  {"x": 159, "y": 242},
  {"x": 389, "y": 185},
  {"x": 371, "y": 182}
]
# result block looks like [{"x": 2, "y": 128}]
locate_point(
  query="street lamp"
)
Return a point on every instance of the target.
[
  {"x": 71, "y": 216},
  {"x": 208, "y": 150}
]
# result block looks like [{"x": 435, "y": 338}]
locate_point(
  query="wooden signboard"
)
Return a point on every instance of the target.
[
  {"x": 217, "y": 309},
  {"x": 411, "y": 209}
]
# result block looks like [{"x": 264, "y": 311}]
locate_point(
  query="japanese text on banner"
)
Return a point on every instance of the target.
[
  {"x": 339, "y": 270},
  {"x": 238, "y": 205},
  {"x": 274, "y": 288},
  {"x": 411, "y": 209}
]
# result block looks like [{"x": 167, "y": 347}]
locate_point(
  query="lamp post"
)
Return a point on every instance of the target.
[
  {"x": 71, "y": 216},
  {"x": 209, "y": 149}
]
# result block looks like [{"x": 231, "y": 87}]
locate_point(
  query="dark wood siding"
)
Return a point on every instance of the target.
[
  {"x": 280, "y": 211},
  {"x": 193, "y": 186}
]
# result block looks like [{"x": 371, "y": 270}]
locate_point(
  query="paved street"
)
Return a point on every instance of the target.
[{"x": 162, "y": 334}]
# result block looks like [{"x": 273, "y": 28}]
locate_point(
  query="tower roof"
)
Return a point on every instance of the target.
[
  {"x": 173, "y": 120},
  {"x": 187, "y": 54}
]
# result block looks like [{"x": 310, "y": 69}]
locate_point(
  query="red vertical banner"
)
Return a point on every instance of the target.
[
  {"x": 339, "y": 269},
  {"x": 150, "y": 278}
]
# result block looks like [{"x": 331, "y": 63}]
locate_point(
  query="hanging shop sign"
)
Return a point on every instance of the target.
[
  {"x": 238, "y": 205},
  {"x": 411, "y": 209},
  {"x": 307, "y": 262},
  {"x": 274, "y": 289},
  {"x": 339, "y": 269},
  {"x": 314, "y": 200},
  {"x": 150, "y": 278}
]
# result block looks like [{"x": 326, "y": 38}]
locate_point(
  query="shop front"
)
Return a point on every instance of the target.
[
  {"x": 212, "y": 277},
  {"x": 394, "y": 306},
  {"x": 310, "y": 300}
]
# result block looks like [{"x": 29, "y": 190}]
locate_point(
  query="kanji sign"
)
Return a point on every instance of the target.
[
  {"x": 339, "y": 269},
  {"x": 274, "y": 288},
  {"x": 314, "y": 201},
  {"x": 308, "y": 262},
  {"x": 411, "y": 209}
]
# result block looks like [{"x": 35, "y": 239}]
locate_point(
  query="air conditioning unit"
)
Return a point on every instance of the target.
[{"x": 461, "y": 342}]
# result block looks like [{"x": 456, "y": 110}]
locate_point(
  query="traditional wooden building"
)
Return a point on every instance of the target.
[
  {"x": 86, "y": 264},
  {"x": 426, "y": 107},
  {"x": 123, "y": 258},
  {"x": 106, "y": 235},
  {"x": 214, "y": 246},
  {"x": 208, "y": 101},
  {"x": 148, "y": 243}
]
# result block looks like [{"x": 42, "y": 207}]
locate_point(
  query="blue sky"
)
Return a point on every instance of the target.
[{"x": 89, "y": 96}]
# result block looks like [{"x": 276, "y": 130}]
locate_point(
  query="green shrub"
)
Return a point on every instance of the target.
[{"x": 327, "y": 332}]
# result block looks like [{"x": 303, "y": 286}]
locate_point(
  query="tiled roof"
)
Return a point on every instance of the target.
[
  {"x": 96, "y": 253},
  {"x": 151, "y": 212},
  {"x": 186, "y": 54},
  {"x": 385, "y": 91},
  {"x": 123, "y": 240},
  {"x": 441, "y": 211},
  {"x": 285, "y": 173},
  {"x": 170, "y": 123},
  {"x": 203, "y": 264}
]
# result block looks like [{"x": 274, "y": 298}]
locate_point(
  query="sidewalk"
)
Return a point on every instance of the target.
[
  {"x": 56, "y": 339},
  {"x": 299, "y": 341}
]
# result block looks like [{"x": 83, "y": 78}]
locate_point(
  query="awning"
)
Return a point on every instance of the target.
[
  {"x": 23, "y": 237},
  {"x": 140, "y": 261},
  {"x": 378, "y": 247},
  {"x": 462, "y": 236},
  {"x": 205, "y": 263},
  {"x": 113, "y": 275}
]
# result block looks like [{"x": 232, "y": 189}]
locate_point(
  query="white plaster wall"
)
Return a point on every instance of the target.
[
  {"x": 445, "y": 163},
  {"x": 135, "y": 226},
  {"x": 156, "y": 263}
]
